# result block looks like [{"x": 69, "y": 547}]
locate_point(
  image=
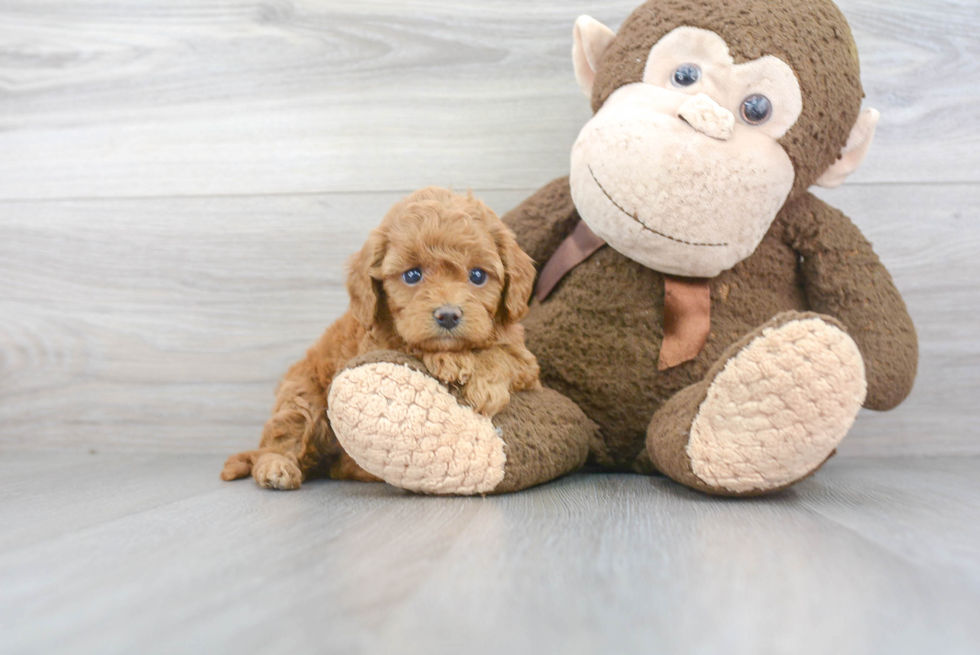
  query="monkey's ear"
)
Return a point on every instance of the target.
[
  {"x": 364, "y": 279},
  {"x": 854, "y": 152},
  {"x": 591, "y": 40}
]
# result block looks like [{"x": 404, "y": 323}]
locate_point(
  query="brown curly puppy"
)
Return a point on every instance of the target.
[{"x": 441, "y": 279}]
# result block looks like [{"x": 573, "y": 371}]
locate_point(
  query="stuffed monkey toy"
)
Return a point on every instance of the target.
[{"x": 698, "y": 313}]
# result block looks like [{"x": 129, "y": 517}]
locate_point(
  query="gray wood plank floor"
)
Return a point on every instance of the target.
[{"x": 135, "y": 553}]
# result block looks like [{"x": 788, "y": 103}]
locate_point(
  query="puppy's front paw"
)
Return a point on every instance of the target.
[
  {"x": 486, "y": 398},
  {"x": 274, "y": 471},
  {"x": 450, "y": 367}
]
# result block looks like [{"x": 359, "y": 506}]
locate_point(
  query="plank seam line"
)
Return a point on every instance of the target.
[{"x": 404, "y": 191}]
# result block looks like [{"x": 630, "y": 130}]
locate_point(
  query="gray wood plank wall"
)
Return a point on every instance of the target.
[{"x": 182, "y": 180}]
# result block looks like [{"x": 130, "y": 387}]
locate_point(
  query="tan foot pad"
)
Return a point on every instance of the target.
[
  {"x": 406, "y": 428},
  {"x": 778, "y": 408}
]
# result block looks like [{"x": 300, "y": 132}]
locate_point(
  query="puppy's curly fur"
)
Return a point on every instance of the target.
[{"x": 445, "y": 237}]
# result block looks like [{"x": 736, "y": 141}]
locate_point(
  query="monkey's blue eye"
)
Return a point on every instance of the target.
[
  {"x": 686, "y": 75},
  {"x": 412, "y": 276},
  {"x": 756, "y": 109},
  {"x": 478, "y": 276}
]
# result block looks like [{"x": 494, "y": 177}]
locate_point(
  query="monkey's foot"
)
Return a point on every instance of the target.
[
  {"x": 401, "y": 425},
  {"x": 769, "y": 413}
]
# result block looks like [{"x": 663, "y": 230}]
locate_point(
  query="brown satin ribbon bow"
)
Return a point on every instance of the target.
[{"x": 687, "y": 301}]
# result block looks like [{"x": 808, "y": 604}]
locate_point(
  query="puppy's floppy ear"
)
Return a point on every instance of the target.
[
  {"x": 518, "y": 276},
  {"x": 364, "y": 282}
]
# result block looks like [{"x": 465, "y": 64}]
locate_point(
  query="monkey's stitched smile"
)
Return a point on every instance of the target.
[{"x": 643, "y": 225}]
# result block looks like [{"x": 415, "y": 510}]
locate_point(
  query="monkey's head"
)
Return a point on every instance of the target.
[{"x": 709, "y": 115}]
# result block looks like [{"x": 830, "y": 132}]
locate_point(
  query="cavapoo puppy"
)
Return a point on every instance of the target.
[{"x": 441, "y": 279}]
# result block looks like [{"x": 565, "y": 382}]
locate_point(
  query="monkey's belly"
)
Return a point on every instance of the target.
[{"x": 597, "y": 338}]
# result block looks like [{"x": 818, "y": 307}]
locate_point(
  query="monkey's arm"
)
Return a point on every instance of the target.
[
  {"x": 845, "y": 279},
  {"x": 543, "y": 221}
]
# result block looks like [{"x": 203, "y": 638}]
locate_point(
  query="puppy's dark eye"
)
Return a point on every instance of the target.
[
  {"x": 412, "y": 276},
  {"x": 756, "y": 109},
  {"x": 686, "y": 75},
  {"x": 478, "y": 276}
]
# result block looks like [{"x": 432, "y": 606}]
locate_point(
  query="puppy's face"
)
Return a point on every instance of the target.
[
  {"x": 443, "y": 283},
  {"x": 445, "y": 273}
]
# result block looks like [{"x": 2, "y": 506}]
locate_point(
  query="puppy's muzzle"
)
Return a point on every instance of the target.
[{"x": 448, "y": 316}]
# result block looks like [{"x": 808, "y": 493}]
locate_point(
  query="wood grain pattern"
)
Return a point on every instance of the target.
[
  {"x": 165, "y": 324},
  {"x": 146, "y": 319},
  {"x": 870, "y": 556},
  {"x": 193, "y": 97}
]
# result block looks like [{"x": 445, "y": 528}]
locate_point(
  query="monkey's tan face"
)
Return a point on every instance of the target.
[{"x": 683, "y": 172}]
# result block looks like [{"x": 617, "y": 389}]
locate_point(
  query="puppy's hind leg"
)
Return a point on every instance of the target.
[
  {"x": 240, "y": 465},
  {"x": 270, "y": 469},
  {"x": 296, "y": 439},
  {"x": 275, "y": 471}
]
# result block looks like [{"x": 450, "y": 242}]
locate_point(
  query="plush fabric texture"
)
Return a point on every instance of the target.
[
  {"x": 546, "y": 435},
  {"x": 599, "y": 333},
  {"x": 707, "y": 117},
  {"x": 590, "y": 39},
  {"x": 699, "y": 214},
  {"x": 725, "y": 81},
  {"x": 813, "y": 38},
  {"x": 858, "y": 145},
  {"x": 778, "y": 408},
  {"x": 598, "y": 336},
  {"x": 406, "y": 428},
  {"x": 843, "y": 277}
]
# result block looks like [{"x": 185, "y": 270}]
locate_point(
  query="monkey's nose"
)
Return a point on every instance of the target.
[
  {"x": 448, "y": 316},
  {"x": 707, "y": 117}
]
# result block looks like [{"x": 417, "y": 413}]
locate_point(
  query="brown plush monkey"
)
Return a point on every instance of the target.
[{"x": 699, "y": 313}]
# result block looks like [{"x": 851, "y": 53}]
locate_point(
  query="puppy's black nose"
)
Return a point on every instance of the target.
[{"x": 448, "y": 316}]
